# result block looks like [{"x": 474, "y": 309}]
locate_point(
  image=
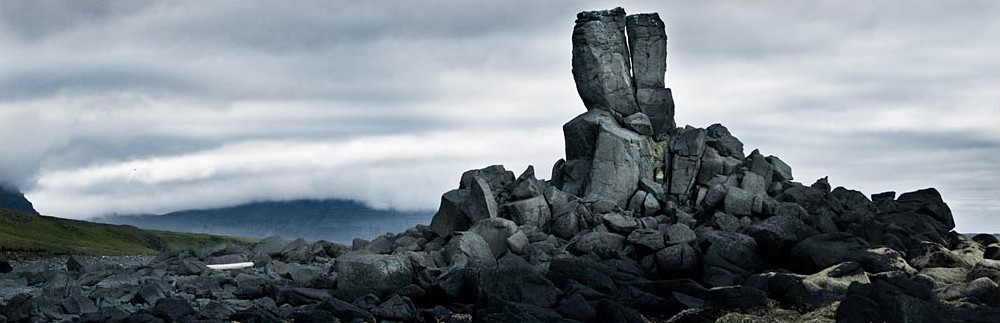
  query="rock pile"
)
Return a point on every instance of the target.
[{"x": 642, "y": 221}]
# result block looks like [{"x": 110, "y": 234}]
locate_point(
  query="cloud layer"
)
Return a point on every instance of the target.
[{"x": 152, "y": 106}]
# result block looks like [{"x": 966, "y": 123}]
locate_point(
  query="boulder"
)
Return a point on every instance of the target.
[
  {"x": 495, "y": 231},
  {"x": 450, "y": 216},
  {"x": 777, "y": 235},
  {"x": 782, "y": 172},
  {"x": 604, "y": 244},
  {"x": 724, "y": 142},
  {"x": 468, "y": 249},
  {"x": 620, "y": 223},
  {"x": 514, "y": 280},
  {"x": 497, "y": 179},
  {"x": 481, "y": 204},
  {"x": 639, "y": 123},
  {"x": 677, "y": 260},
  {"x": 647, "y": 41},
  {"x": 396, "y": 308},
  {"x": 533, "y": 211},
  {"x": 361, "y": 274},
  {"x": 679, "y": 233},
  {"x": 738, "y": 201},
  {"x": 601, "y": 66},
  {"x": 729, "y": 257},
  {"x": 647, "y": 238}
]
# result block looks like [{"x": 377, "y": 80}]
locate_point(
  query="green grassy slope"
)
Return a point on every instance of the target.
[{"x": 23, "y": 232}]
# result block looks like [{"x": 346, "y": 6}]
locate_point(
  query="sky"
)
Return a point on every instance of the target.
[{"x": 150, "y": 107}]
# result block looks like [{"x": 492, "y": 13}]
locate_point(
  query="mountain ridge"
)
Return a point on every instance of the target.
[{"x": 337, "y": 220}]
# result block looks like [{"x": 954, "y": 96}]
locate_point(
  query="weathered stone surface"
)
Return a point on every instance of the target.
[
  {"x": 601, "y": 65},
  {"x": 647, "y": 238},
  {"x": 729, "y": 257},
  {"x": 366, "y": 273},
  {"x": 724, "y": 142},
  {"x": 604, "y": 244},
  {"x": 738, "y": 201},
  {"x": 777, "y": 235},
  {"x": 495, "y": 231},
  {"x": 620, "y": 160},
  {"x": 677, "y": 260},
  {"x": 469, "y": 249},
  {"x": 450, "y": 216},
  {"x": 514, "y": 280},
  {"x": 639, "y": 123},
  {"x": 648, "y": 46},
  {"x": 480, "y": 204},
  {"x": 620, "y": 223},
  {"x": 679, "y": 233},
  {"x": 533, "y": 211},
  {"x": 782, "y": 172}
]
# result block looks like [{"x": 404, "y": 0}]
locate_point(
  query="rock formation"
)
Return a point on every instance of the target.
[{"x": 642, "y": 221}]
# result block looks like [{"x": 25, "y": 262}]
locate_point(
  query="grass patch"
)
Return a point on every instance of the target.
[{"x": 43, "y": 234}]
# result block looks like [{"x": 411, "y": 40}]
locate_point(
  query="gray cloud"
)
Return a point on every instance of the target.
[{"x": 220, "y": 95}]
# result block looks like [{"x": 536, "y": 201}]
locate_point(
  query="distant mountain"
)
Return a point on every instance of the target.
[
  {"x": 331, "y": 219},
  {"x": 12, "y": 198}
]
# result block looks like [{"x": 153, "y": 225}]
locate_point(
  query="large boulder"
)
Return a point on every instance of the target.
[
  {"x": 601, "y": 65},
  {"x": 450, "y": 216},
  {"x": 468, "y": 249},
  {"x": 620, "y": 160},
  {"x": 777, "y": 235},
  {"x": 816, "y": 290},
  {"x": 604, "y": 244},
  {"x": 360, "y": 274},
  {"x": 514, "y": 280},
  {"x": 532, "y": 211},
  {"x": 729, "y": 257},
  {"x": 824, "y": 250},
  {"x": 684, "y": 160},
  {"x": 495, "y": 231}
]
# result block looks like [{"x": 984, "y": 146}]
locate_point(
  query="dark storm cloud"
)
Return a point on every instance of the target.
[{"x": 157, "y": 106}]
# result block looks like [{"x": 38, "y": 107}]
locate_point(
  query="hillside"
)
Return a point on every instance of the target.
[
  {"x": 331, "y": 219},
  {"x": 22, "y": 232},
  {"x": 12, "y": 198}
]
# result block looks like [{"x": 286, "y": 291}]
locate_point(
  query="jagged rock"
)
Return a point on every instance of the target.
[
  {"x": 648, "y": 238},
  {"x": 527, "y": 186},
  {"x": 777, "y": 235},
  {"x": 533, "y": 211},
  {"x": 469, "y": 249},
  {"x": 495, "y": 231},
  {"x": 366, "y": 273},
  {"x": 481, "y": 204},
  {"x": 517, "y": 242},
  {"x": 677, "y": 260},
  {"x": 725, "y": 222},
  {"x": 173, "y": 310},
  {"x": 601, "y": 65},
  {"x": 514, "y": 280},
  {"x": 647, "y": 40},
  {"x": 679, "y": 233},
  {"x": 729, "y": 257},
  {"x": 450, "y": 217},
  {"x": 718, "y": 137},
  {"x": 620, "y": 223},
  {"x": 576, "y": 307},
  {"x": 604, "y": 244},
  {"x": 397, "y": 308},
  {"x": 498, "y": 179},
  {"x": 816, "y": 290},
  {"x": 686, "y": 150},
  {"x": 639, "y": 123},
  {"x": 782, "y": 172},
  {"x": 824, "y": 250},
  {"x": 738, "y": 201}
]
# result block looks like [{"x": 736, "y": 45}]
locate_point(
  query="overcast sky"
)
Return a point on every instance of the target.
[{"x": 127, "y": 107}]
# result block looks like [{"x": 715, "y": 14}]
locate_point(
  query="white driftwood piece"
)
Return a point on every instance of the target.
[{"x": 238, "y": 265}]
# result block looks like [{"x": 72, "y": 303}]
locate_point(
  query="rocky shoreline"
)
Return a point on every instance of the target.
[{"x": 642, "y": 221}]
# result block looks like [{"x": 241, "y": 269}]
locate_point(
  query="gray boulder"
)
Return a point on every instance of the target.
[
  {"x": 782, "y": 172},
  {"x": 360, "y": 274},
  {"x": 679, "y": 233},
  {"x": 729, "y": 257},
  {"x": 514, "y": 280},
  {"x": 647, "y": 238},
  {"x": 604, "y": 244},
  {"x": 533, "y": 211},
  {"x": 468, "y": 249},
  {"x": 777, "y": 235},
  {"x": 639, "y": 123},
  {"x": 495, "y": 231},
  {"x": 396, "y": 308},
  {"x": 677, "y": 260},
  {"x": 450, "y": 216},
  {"x": 647, "y": 40}
]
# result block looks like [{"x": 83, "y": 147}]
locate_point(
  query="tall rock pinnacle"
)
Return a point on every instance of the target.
[{"x": 619, "y": 74}]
